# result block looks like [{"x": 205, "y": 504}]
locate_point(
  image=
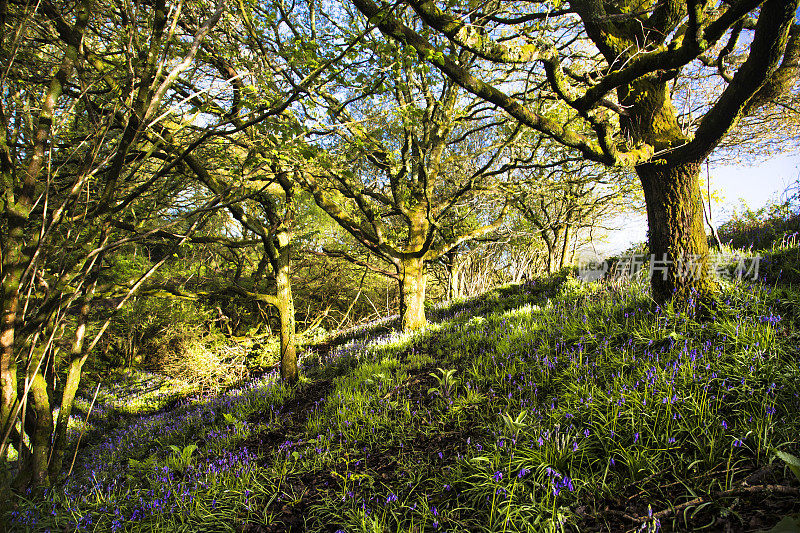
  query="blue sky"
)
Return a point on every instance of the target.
[{"x": 755, "y": 184}]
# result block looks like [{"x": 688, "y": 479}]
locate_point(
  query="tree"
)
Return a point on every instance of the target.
[
  {"x": 616, "y": 66},
  {"x": 413, "y": 159},
  {"x": 74, "y": 160},
  {"x": 562, "y": 197},
  {"x": 261, "y": 154}
]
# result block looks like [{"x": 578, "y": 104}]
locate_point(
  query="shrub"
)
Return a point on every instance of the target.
[{"x": 183, "y": 354}]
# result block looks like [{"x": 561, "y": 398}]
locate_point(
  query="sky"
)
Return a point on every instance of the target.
[{"x": 756, "y": 185}]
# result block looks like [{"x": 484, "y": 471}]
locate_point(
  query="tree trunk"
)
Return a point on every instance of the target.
[
  {"x": 9, "y": 301},
  {"x": 677, "y": 238},
  {"x": 412, "y": 293},
  {"x": 550, "y": 264},
  {"x": 42, "y": 430},
  {"x": 567, "y": 234},
  {"x": 38, "y": 418},
  {"x": 285, "y": 304},
  {"x": 453, "y": 276},
  {"x": 78, "y": 358},
  {"x": 8, "y": 367}
]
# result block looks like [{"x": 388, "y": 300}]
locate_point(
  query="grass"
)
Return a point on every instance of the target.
[{"x": 556, "y": 405}]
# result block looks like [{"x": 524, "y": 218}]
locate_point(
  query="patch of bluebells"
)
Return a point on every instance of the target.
[
  {"x": 98, "y": 471},
  {"x": 558, "y": 481}
]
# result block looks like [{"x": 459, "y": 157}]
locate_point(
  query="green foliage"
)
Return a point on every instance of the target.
[
  {"x": 180, "y": 459},
  {"x": 792, "y": 461},
  {"x": 774, "y": 225},
  {"x": 446, "y": 383},
  {"x": 201, "y": 362}
]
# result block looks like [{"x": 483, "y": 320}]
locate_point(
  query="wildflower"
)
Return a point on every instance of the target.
[
  {"x": 497, "y": 476},
  {"x": 523, "y": 472},
  {"x": 391, "y": 498}
]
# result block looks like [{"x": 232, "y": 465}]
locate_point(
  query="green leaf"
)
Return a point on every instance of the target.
[
  {"x": 187, "y": 452},
  {"x": 792, "y": 461}
]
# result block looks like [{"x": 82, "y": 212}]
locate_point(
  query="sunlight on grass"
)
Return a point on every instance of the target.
[{"x": 512, "y": 411}]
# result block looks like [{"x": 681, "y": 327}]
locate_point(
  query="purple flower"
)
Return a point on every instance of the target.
[
  {"x": 391, "y": 498},
  {"x": 497, "y": 476}
]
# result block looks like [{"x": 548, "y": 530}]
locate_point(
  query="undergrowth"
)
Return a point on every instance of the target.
[{"x": 557, "y": 405}]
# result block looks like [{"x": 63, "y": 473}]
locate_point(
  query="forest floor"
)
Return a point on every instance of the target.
[{"x": 557, "y": 405}]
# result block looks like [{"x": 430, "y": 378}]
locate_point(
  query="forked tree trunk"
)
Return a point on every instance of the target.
[
  {"x": 285, "y": 304},
  {"x": 676, "y": 232},
  {"x": 412, "y": 293}
]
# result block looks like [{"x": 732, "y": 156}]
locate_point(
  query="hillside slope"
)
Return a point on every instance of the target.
[{"x": 554, "y": 405}]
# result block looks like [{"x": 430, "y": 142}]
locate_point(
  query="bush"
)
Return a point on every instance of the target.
[
  {"x": 776, "y": 224},
  {"x": 183, "y": 354}
]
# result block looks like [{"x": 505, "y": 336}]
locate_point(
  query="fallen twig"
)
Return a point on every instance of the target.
[{"x": 742, "y": 489}]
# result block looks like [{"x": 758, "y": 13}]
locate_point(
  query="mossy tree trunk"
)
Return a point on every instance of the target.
[
  {"x": 413, "y": 281},
  {"x": 8, "y": 365},
  {"x": 78, "y": 357},
  {"x": 285, "y": 304},
  {"x": 676, "y": 231},
  {"x": 43, "y": 426},
  {"x": 677, "y": 238}
]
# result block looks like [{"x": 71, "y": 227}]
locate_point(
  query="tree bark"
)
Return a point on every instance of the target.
[
  {"x": 550, "y": 244},
  {"x": 77, "y": 359},
  {"x": 453, "y": 266},
  {"x": 42, "y": 430},
  {"x": 413, "y": 281},
  {"x": 676, "y": 235},
  {"x": 285, "y": 305},
  {"x": 565, "y": 247},
  {"x": 8, "y": 364}
]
